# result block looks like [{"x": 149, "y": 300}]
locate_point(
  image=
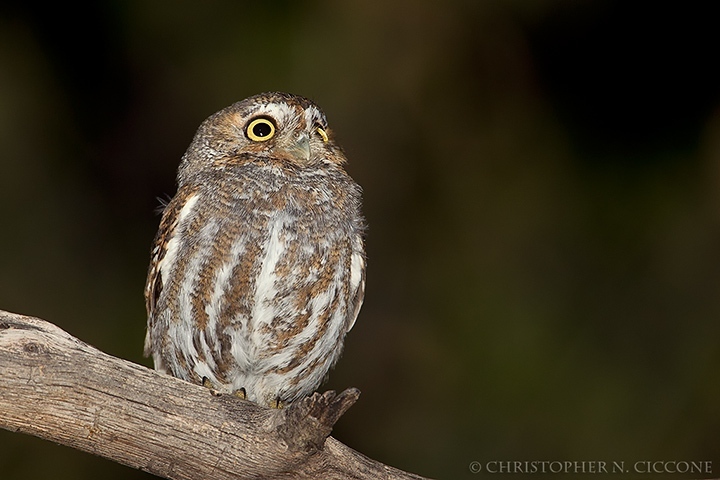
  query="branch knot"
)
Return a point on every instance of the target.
[{"x": 308, "y": 422}]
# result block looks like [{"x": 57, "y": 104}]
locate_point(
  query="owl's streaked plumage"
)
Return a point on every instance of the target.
[{"x": 258, "y": 268}]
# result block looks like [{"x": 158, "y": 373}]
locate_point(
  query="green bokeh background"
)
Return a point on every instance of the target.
[{"x": 541, "y": 183}]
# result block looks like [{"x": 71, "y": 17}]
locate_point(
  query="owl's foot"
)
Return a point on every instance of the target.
[
  {"x": 279, "y": 404},
  {"x": 239, "y": 393},
  {"x": 209, "y": 385}
]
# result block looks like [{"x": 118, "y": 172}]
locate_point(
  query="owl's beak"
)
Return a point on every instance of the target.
[{"x": 300, "y": 148}]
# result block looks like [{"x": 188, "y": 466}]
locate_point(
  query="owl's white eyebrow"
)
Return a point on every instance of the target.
[
  {"x": 313, "y": 116},
  {"x": 281, "y": 112}
]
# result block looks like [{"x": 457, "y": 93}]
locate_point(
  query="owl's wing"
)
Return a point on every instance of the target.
[
  {"x": 357, "y": 279},
  {"x": 154, "y": 284}
]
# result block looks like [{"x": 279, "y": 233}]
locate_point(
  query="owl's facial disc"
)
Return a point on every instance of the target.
[{"x": 281, "y": 131}]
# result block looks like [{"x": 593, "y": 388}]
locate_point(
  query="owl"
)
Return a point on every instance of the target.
[{"x": 258, "y": 267}]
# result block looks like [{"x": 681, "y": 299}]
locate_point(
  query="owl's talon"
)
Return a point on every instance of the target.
[
  {"x": 209, "y": 385},
  {"x": 277, "y": 404},
  {"x": 241, "y": 393}
]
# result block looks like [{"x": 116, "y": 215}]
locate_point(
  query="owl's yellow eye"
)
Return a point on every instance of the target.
[
  {"x": 322, "y": 133},
  {"x": 260, "y": 130}
]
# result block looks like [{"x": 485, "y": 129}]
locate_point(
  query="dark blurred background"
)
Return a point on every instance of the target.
[{"x": 541, "y": 184}]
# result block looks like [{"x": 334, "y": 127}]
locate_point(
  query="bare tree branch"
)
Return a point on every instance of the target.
[{"x": 57, "y": 387}]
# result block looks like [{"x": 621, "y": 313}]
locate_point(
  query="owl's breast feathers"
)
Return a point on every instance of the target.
[{"x": 258, "y": 274}]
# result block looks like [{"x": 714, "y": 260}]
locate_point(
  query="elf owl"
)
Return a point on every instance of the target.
[{"x": 258, "y": 268}]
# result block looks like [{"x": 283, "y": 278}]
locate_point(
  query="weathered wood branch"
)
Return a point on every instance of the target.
[{"x": 57, "y": 387}]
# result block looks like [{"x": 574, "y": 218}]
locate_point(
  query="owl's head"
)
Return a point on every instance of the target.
[{"x": 272, "y": 128}]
